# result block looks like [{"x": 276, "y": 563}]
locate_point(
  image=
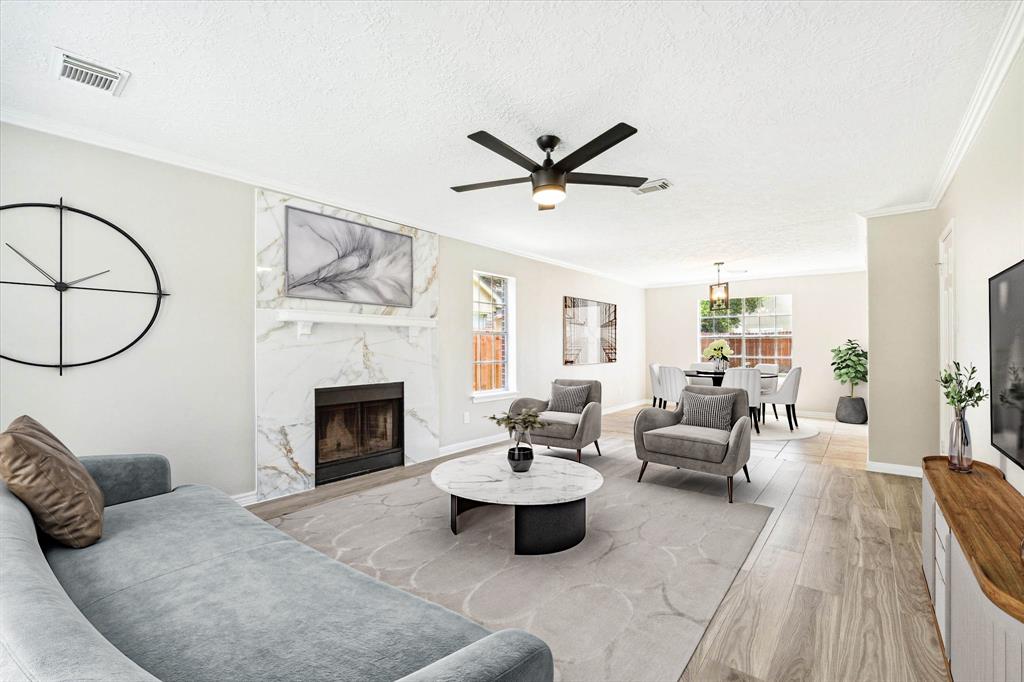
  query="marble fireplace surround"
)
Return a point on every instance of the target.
[{"x": 304, "y": 344}]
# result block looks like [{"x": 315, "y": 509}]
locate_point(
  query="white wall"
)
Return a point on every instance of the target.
[
  {"x": 540, "y": 288},
  {"x": 186, "y": 389},
  {"x": 827, "y": 310},
  {"x": 985, "y": 202}
]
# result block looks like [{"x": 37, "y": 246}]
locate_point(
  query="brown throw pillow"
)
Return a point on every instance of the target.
[{"x": 64, "y": 499}]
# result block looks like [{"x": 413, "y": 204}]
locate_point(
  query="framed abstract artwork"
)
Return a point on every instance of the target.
[
  {"x": 334, "y": 259},
  {"x": 588, "y": 331}
]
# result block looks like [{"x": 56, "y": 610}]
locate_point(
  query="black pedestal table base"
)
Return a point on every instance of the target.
[{"x": 539, "y": 528}]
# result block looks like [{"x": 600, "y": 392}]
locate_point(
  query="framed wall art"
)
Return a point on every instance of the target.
[
  {"x": 334, "y": 259},
  {"x": 588, "y": 331}
]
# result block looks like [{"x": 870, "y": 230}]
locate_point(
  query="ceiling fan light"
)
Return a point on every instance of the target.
[{"x": 548, "y": 195}]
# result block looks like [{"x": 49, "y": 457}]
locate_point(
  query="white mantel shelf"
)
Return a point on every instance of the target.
[{"x": 305, "y": 319}]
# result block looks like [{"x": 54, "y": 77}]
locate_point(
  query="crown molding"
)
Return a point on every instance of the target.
[
  {"x": 85, "y": 135},
  {"x": 897, "y": 210},
  {"x": 1004, "y": 51}
]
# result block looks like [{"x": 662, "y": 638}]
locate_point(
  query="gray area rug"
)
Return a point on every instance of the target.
[{"x": 631, "y": 602}]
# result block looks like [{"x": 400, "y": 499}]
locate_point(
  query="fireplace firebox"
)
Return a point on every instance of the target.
[{"x": 358, "y": 430}]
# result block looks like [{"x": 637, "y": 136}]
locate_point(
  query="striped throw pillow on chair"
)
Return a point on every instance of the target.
[{"x": 710, "y": 411}]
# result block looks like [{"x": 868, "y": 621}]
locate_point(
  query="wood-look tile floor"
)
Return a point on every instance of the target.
[{"x": 832, "y": 590}]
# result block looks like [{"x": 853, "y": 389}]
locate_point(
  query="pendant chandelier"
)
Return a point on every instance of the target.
[{"x": 718, "y": 293}]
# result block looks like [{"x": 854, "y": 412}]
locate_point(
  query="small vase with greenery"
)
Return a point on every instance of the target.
[
  {"x": 719, "y": 353},
  {"x": 850, "y": 366},
  {"x": 962, "y": 390},
  {"x": 520, "y": 458}
]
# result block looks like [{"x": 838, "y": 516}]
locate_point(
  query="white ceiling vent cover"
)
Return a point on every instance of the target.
[
  {"x": 71, "y": 67},
  {"x": 652, "y": 186}
]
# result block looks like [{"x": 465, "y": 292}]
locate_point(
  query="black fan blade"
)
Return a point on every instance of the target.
[
  {"x": 499, "y": 147},
  {"x": 492, "y": 183},
  {"x": 598, "y": 145},
  {"x": 601, "y": 179},
  {"x": 545, "y": 207}
]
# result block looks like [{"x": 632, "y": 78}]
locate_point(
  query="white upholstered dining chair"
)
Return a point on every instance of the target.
[
  {"x": 655, "y": 383},
  {"x": 768, "y": 385},
  {"x": 787, "y": 396},
  {"x": 672, "y": 380},
  {"x": 749, "y": 379}
]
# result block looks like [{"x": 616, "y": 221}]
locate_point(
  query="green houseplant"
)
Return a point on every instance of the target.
[
  {"x": 850, "y": 366},
  {"x": 520, "y": 458},
  {"x": 961, "y": 390}
]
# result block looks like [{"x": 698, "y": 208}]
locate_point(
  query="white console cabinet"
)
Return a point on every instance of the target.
[{"x": 972, "y": 525}]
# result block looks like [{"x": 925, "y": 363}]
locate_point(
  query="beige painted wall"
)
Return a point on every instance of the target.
[
  {"x": 985, "y": 202},
  {"x": 540, "y": 288},
  {"x": 903, "y": 310},
  {"x": 827, "y": 310},
  {"x": 186, "y": 389},
  {"x": 985, "y": 205}
]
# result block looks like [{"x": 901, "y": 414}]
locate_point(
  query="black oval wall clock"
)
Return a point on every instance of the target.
[{"x": 66, "y": 290}]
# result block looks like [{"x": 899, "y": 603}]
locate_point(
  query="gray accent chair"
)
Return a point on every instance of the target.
[
  {"x": 659, "y": 437},
  {"x": 185, "y": 584},
  {"x": 566, "y": 429}
]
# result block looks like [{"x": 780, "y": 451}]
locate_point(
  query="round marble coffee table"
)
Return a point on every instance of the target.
[{"x": 549, "y": 499}]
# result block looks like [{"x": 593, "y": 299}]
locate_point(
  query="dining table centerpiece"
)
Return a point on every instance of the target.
[
  {"x": 520, "y": 457},
  {"x": 961, "y": 390},
  {"x": 718, "y": 353}
]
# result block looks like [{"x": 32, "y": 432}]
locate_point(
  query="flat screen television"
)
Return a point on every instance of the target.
[{"x": 1006, "y": 361}]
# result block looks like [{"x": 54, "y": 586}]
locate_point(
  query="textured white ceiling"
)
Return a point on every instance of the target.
[{"x": 776, "y": 122}]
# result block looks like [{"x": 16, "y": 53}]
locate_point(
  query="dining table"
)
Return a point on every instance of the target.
[{"x": 717, "y": 377}]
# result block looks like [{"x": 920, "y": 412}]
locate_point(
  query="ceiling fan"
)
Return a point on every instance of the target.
[{"x": 549, "y": 178}]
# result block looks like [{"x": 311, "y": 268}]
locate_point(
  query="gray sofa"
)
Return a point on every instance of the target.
[
  {"x": 566, "y": 429},
  {"x": 187, "y": 585},
  {"x": 659, "y": 437}
]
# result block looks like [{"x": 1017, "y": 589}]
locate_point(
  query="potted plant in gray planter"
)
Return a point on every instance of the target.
[
  {"x": 520, "y": 458},
  {"x": 850, "y": 366}
]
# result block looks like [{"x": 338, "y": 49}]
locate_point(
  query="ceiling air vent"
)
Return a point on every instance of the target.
[
  {"x": 67, "y": 66},
  {"x": 652, "y": 186}
]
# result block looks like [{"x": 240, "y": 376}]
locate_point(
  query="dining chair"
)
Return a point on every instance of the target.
[
  {"x": 787, "y": 395},
  {"x": 768, "y": 385},
  {"x": 702, "y": 367},
  {"x": 655, "y": 383},
  {"x": 672, "y": 380},
  {"x": 749, "y": 379}
]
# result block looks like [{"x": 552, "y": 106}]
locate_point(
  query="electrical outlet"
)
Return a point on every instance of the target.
[{"x": 465, "y": 417}]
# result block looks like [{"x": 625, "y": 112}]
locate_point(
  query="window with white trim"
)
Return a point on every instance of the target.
[
  {"x": 493, "y": 334},
  {"x": 759, "y": 329}
]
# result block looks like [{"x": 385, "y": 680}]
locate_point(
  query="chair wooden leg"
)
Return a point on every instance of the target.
[
  {"x": 789, "y": 417},
  {"x": 654, "y": 402},
  {"x": 579, "y": 455},
  {"x": 643, "y": 468},
  {"x": 753, "y": 418},
  {"x": 795, "y": 421},
  {"x": 598, "y": 448},
  {"x": 746, "y": 473},
  {"x": 776, "y": 411},
  {"x": 728, "y": 480}
]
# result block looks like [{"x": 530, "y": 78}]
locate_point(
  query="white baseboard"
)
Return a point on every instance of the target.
[
  {"x": 245, "y": 499},
  {"x": 816, "y": 415},
  {"x": 895, "y": 469},
  {"x": 624, "y": 406},
  {"x": 475, "y": 443}
]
